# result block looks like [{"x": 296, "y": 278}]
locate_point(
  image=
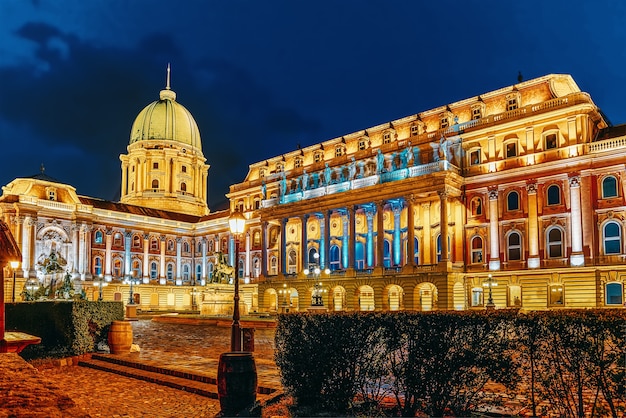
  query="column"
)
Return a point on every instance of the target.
[
  {"x": 303, "y": 242},
  {"x": 380, "y": 234},
  {"x": 397, "y": 238},
  {"x": 127, "y": 260},
  {"x": 162, "y": 276},
  {"x": 179, "y": 251},
  {"x": 352, "y": 243},
  {"x": 494, "y": 234},
  {"x": 577, "y": 257},
  {"x": 369, "y": 213},
  {"x": 203, "y": 279},
  {"x": 76, "y": 249},
  {"x": 246, "y": 263},
  {"x": 427, "y": 241},
  {"x": 146, "y": 258},
  {"x": 82, "y": 257},
  {"x": 410, "y": 236},
  {"x": 264, "y": 248},
  {"x": 27, "y": 233},
  {"x": 283, "y": 245},
  {"x": 345, "y": 240},
  {"x": 443, "y": 224},
  {"x": 325, "y": 255},
  {"x": 107, "y": 257},
  {"x": 533, "y": 227},
  {"x": 124, "y": 178}
]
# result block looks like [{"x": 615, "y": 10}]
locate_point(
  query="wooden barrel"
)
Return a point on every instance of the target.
[
  {"x": 236, "y": 382},
  {"x": 120, "y": 337}
]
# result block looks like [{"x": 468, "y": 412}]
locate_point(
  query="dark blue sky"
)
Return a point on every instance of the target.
[{"x": 261, "y": 77}]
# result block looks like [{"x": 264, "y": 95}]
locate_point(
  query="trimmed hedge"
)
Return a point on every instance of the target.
[
  {"x": 439, "y": 363},
  {"x": 66, "y": 328}
]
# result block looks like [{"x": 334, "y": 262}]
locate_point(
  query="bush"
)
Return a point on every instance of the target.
[{"x": 66, "y": 328}]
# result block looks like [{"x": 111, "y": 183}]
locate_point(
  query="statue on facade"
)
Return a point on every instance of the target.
[
  {"x": 404, "y": 158},
  {"x": 283, "y": 185},
  {"x": 327, "y": 173},
  {"x": 305, "y": 180},
  {"x": 352, "y": 169},
  {"x": 222, "y": 272},
  {"x": 443, "y": 147},
  {"x": 416, "y": 156},
  {"x": 380, "y": 162},
  {"x": 263, "y": 190}
]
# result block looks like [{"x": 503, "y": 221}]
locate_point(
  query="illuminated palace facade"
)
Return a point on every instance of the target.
[{"x": 522, "y": 187}]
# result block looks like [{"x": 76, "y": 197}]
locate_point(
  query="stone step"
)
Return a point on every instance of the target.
[
  {"x": 191, "y": 382},
  {"x": 181, "y": 383}
]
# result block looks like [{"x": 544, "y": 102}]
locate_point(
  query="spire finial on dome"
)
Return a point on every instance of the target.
[
  {"x": 167, "y": 82},
  {"x": 167, "y": 93}
]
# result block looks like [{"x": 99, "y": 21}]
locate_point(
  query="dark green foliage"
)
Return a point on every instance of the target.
[
  {"x": 438, "y": 363},
  {"x": 66, "y": 328}
]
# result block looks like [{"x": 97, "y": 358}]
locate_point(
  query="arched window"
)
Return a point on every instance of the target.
[
  {"x": 117, "y": 268},
  {"x": 170, "y": 272},
  {"x": 612, "y": 237},
  {"x": 514, "y": 246},
  {"x": 477, "y": 296},
  {"x": 198, "y": 272},
  {"x": 186, "y": 247},
  {"x": 614, "y": 294},
  {"x": 118, "y": 240},
  {"x": 313, "y": 257},
  {"x": 186, "y": 272},
  {"x": 359, "y": 256},
  {"x": 273, "y": 266},
  {"x": 416, "y": 255},
  {"x": 183, "y": 169},
  {"x": 554, "y": 195},
  {"x": 476, "y": 206},
  {"x": 334, "y": 258},
  {"x": 154, "y": 268},
  {"x": 439, "y": 247},
  {"x": 98, "y": 237},
  {"x": 136, "y": 241},
  {"x": 170, "y": 245},
  {"x": 155, "y": 184},
  {"x": 97, "y": 266},
  {"x": 256, "y": 267},
  {"x": 512, "y": 201},
  {"x": 477, "y": 250},
  {"x": 292, "y": 263},
  {"x": 183, "y": 187},
  {"x": 555, "y": 242},
  {"x": 241, "y": 268},
  {"x": 136, "y": 270},
  {"x": 609, "y": 187},
  {"x": 387, "y": 254},
  {"x": 154, "y": 244},
  {"x": 256, "y": 239},
  {"x": 209, "y": 268}
]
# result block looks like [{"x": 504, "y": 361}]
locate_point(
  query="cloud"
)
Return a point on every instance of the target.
[{"x": 84, "y": 98}]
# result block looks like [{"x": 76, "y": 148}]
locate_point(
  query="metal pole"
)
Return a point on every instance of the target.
[
  {"x": 235, "y": 337},
  {"x": 13, "y": 296}
]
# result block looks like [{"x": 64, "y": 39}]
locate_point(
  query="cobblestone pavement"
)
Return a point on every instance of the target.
[{"x": 177, "y": 346}]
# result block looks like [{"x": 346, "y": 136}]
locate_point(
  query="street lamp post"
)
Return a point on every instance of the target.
[
  {"x": 100, "y": 283},
  {"x": 237, "y": 224},
  {"x": 14, "y": 265},
  {"x": 132, "y": 280},
  {"x": 315, "y": 271},
  {"x": 490, "y": 282}
]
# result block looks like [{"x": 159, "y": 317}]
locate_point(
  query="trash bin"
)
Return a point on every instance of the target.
[{"x": 248, "y": 339}]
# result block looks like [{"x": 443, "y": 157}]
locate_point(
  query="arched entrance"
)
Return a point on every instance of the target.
[
  {"x": 365, "y": 298},
  {"x": 271, "y": 300},
  {"x": 394, "y": 298},
  {"x": 338, "y": 299},
  {"x": 426, "y": 297}
]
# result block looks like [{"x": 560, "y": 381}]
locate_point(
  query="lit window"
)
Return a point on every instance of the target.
[
  {"x": 475, "y": 157},
  {"x": 612, "y": 238},
  {"x": 118, "y": 240},
  {"x": 153, "y": 270},
  {"x": 514, "y": 246},
  {"x": 117, "y": 267},
  {"x": 199, "y": 272},
  {"x": 477, "y": 250},
  {"x": 512, "y": 201},
  {"x": 554, "y": 195},
  {"x": 170, "y": 245},
  {"x": 136, "y": 241},
  {"x": 511, "y": 149},
  {"x": 476, "y": 206},
  {"x": 614, "y": 293},
  {"x": 555, "y": 295},
  {"x": 97, "y": 266},
  {"x": 186, "y": 271},
  {"x": 555, "y": 243},
  {"x": 273, "y": 266},
  {"x": 170, "y": 272},
  {"x": 551, "y": 141},
  {"x": 609, "y": 187},
  {"x": 98, "y": 237},
  {"x": 136, "y": 269},
  {"x": 477, "y": 296},
  {"x": 154, "y": 244},
  {"x": 416, "y": 256}
]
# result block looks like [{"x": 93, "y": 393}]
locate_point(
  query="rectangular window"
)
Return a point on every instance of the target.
[
  {"x": 297, "y": 163},
  {"x": 476, "y": 113},
  {"x": 155, "y": 166},
  {"x": 511, "y": 150},
  {"x": 338, "y": 151},
  {"x": 386, "y": 138},
  {"x": 551, "y": 141},
  {"x": 475, "y": 157},
  {"x": 317, "y": 157},
  {"x": 414, "y": 130},
  {"x": 362, "y": 145},
  {"x": 477, "y": 297},
  {"x": 443, "y": 123},
  {"x": 511, "y": 104},
  {"x": 555, "y": 295}
]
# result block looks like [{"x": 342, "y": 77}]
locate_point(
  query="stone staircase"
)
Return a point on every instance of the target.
[{"x": 182, "y": 380}]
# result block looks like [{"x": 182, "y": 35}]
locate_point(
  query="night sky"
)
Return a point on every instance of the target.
[{"x": 264, "y": 76}]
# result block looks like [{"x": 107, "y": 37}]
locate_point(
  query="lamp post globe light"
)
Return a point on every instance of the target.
[
  {"x": 490, "y": 282},
  {"x": 314, "y": 271},
  {"x": 100, "y": 283},
  {"x": 14, "y": 265},
  {"x": 237, "y": 224}
]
